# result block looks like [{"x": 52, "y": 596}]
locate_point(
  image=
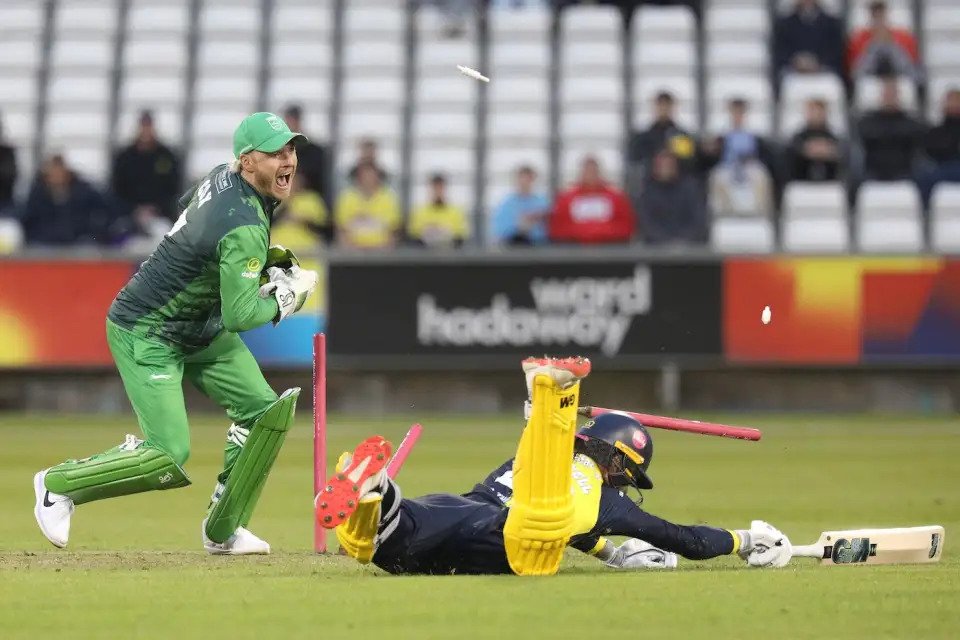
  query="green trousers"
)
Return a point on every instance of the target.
[{"x": 153, "y": 373}]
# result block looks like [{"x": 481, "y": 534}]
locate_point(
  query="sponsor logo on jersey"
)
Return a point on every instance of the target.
[
  {"x": 224, "y": 181},
  {"x": 253, "y": 269}
]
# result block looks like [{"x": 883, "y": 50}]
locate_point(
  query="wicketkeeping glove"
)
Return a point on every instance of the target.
[
  {"x": 290, "y": 288},
  {"x": 637, "y": 554},
  {"x": 764, "y": 545},
  {"x": 278, "y": 256}
]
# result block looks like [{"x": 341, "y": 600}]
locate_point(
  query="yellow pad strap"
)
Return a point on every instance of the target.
[{"x": 358, "y": 535}]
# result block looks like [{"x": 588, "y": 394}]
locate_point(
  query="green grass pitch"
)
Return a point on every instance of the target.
[{"x": 135, "y": 567}]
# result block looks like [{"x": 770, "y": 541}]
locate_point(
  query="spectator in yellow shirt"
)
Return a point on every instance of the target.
[
  {"x": 438, "y": 223},
  {"x": 367, "y": 214},
  {"x": 302, "y": 220}
]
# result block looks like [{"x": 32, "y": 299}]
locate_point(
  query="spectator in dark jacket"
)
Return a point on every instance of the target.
[
  {"x": 146, "y": 174},
  {"x": 814, "y": 150},
  {"x": 943, "y": 146},
  {"x": 63, "y": 209},
  {"x": 809, "y": 40},
  {"x": 313, "y": 164},
  {"x": 664, "y": 133},
  {"x": 8, "y": 174},
  {"x": 891, "y": 138},
  {"x": 671, "y": 206}
]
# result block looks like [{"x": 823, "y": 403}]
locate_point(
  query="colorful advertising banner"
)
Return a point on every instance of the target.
[
  {"x": 845, "y": 310},
  {"x": 53, "y": 313}
]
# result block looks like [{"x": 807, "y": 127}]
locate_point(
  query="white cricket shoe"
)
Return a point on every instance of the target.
[
  {"x": 241, "y": 543},
  {"x": 52, "y": 511}
]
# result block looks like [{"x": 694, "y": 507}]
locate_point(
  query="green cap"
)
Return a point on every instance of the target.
[{"x": 262, "y": 131}]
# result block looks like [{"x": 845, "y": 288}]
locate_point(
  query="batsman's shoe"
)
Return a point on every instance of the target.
[
  {"x": 358, "y": 535},
  {"x": 52, "y": 512},
  {"x": 563, "y": 371},
  {"x": 365, "y": 471},
  {"x": 241, "y": 543}
]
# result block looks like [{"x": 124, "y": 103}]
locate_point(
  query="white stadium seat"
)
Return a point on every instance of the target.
[
  {"x": 148, "y": 19},
  {"x": 665, "y": 23},
  {"x": 945, "y": 218},
  {"x": 868, "y": 91},
  {"x": 742, "y": 235},
  {"x": 828, "y": 234},
  {"x": 888, "y": 217},
  {"x": 814, "y": 199},
  {"x": 518, "y": 125},
  {"x": 521, "y": 24},
  {"x": 590, "y": 23}
]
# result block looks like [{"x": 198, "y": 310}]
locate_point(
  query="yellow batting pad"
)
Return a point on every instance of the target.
[
  {"x": 540, "y": 521},
  {"x": 358, "y": 534}
]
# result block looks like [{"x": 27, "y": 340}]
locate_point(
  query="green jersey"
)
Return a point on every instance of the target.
[{"x": 204, "y": 276}]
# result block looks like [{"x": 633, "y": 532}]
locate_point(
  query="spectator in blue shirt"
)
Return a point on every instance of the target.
[{"x": 521, "y": 218}]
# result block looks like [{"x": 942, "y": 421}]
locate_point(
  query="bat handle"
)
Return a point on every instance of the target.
[
  {"x": 808, "y": 551},
  {"x": 585, "y": 411}
]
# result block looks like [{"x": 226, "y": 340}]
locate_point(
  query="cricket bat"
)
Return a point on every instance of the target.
[{"x": 907, "y": 545}]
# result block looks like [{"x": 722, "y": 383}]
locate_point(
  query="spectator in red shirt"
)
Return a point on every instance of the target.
[
  {"x": 592, "y": 211},
  {"x": 883, "y": 50}
]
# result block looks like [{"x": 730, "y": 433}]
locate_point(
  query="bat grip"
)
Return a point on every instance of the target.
[{"x": 808, "y": 551}]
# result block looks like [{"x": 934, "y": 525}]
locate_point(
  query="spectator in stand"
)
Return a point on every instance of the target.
[
  {"x": 809, "y": 40},
  {"x": 312, "y": 159},
  {"x": 521, "y": 217},
  {"x": 367, "y": 154},
  {"x": 882, "y": 50},
  {"x": 8, "y": 175},
  {"x": 367, "y": 214},
  {"x": 146, "y": 174},
  {"x": 943, "y": 147},
  {"x": 891, "y": 138},
  {"x": 63, "y": 209},
  {"x": 671, "y": 208},
  {"x": 438, "y": 224},
  {"x": 592, "y": 211},
  {"x": 741, "y": 183},
  {"x": 815, "y": 151},
  {"x": 302, "y": 222},
  {"x": 664, "y": 133}
]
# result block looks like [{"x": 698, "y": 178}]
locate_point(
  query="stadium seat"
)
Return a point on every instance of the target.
[
  {"x": 503, "y": 161},
  {"x": 453, "y": 161},
  {"x": 683, "y": 89},
  {"x": 600, "y": 91},
  {"x": 828, "y": 234},
  {"x": 605, "y": 57},
  {"x": 237, "y": 19},
  {"x": 815, "y": 218},
  {"x": 440, "y": 57},
  {"x": 441, "y": 92},
  {"x": 522, "y": 57},
  {"x": 153, "y": 18},
  {"x": 519, "y": 24},
  {"x": 167, "y": 120},
  {"x": 385, "y": 92},
  {"x": 518, "y": 125},
  {"x": 86, "y": 19},
  {"x": 149, "y": 55},
  {"x": 742, "y": 235},
  {"x": 23, "y": 18},
  {"x": 309, "y": 19},
  {"x": 591, "y": 24},
  {"x": 518, "y": 91},
  {"x": 665, "y": 58},
  {"x": 664, "y": 23},
  {"x": 153, "y": 90},
  {"x": 314, "y": 55},
  {"x": 589, "y": 125},
  {"x": 868, "y": 93},
  {"x": 735, "y": 20},
  {"x": 813, "y": 199},
  {"x": 945, "y": 218},
  {"x": 364, "y": 22},
  {"x": 379, "y": 57},
  {"x": 215, "y": 56},
  {"x": 888, "y": 217},
  {"x": 309, "y": 90},
  {"x": 219, "y": 89},
  {"x": 19, "y": 55},
  {"x": 738, "y": 57},
  {"x": 450, "y": 127},
  {"x": 69, "y": 54}
]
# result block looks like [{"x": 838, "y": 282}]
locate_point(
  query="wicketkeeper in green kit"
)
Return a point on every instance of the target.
[{"x": 211, "y": 277}]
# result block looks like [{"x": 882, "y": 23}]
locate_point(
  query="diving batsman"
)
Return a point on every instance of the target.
[
  {"x": 563, "y": 488},
  {"x": 212, "y": 276}
]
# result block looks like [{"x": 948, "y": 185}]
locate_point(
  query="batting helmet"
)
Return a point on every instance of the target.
[{"x": 621, "y": 445}]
